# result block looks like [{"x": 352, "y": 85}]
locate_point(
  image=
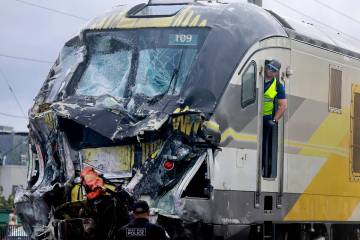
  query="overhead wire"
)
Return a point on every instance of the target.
[
  {"x": 52, "y": 10},
  {"x": 12, "y": 149},
  {"x": 25, "y": 58},
  {"x": 315, "y": 20},
  {"x": 13, "y": 92},
  {"x": 337, "y": 11},
  {"x": 12, "y": 115},
  {"x": 28, "y": 58}
]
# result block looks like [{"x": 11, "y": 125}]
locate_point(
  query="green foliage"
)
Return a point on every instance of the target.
[
  {"x": 6, "y": 203},
  {"x": 5, "y": 207}
]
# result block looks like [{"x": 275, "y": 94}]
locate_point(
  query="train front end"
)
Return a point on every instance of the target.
[{"x": 128, "y": 102}]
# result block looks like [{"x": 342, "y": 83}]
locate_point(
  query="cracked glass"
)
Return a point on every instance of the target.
[
  {"x": 107, "y": 70},
  {"x": 144, "y": 62},
  {"x": 162, "y": 69}
]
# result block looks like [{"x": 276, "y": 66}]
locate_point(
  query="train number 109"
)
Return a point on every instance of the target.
[{"x": 183, "y": 38}]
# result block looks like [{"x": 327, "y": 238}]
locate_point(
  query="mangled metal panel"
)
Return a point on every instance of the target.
[{"x": 70, "y": 57}]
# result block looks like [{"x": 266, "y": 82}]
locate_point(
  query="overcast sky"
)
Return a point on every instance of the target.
[{"x": 28, "y": 31}]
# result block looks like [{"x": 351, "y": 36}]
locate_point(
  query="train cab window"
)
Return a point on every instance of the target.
[
  {"x": 248, "y": 85},
  {"x": 199, "y": 186},
  {"x": 335, "y": 90},
  {"x": 154, "y": 63}
]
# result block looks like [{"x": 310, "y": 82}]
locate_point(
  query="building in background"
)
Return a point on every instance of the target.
[{"x": 13, "y": 163}]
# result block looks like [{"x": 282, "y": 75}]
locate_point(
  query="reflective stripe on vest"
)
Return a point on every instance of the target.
[{"x": 269, "y": 97}]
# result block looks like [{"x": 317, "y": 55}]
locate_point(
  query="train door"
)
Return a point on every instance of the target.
[{"x": 271, "y": 166}]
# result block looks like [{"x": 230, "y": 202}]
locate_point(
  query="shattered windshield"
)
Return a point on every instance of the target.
[
  {"x": 162, "y": 69},
  {"x": 145, "y": 62},
  {"x": 108, "y": 68}
]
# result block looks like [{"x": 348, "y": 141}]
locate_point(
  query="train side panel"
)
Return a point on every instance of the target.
[{"x": 319, "y": 135}]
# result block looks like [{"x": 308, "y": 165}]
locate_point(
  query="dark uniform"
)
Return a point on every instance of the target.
[{"x": 141, "y": 228}]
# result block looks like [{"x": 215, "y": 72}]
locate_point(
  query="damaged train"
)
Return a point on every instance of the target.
[{"x": 164, "y": 102}]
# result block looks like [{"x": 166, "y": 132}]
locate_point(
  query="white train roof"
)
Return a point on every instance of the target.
[{"x": 322, "y": 36}]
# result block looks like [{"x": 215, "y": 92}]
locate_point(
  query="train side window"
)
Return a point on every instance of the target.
[
  {"x": 248, "y": 85},
  {"x": 335, "y": 90}
]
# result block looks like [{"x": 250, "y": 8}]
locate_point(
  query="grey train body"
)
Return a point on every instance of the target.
[{"x": 165, "y": 102}]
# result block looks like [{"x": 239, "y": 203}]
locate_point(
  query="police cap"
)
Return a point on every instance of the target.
[{"x": 140, "y": 207}]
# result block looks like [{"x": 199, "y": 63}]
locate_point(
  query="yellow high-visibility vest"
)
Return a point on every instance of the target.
[{"x": 269, "y": 97}]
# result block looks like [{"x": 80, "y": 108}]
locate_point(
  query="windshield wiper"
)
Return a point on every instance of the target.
[
  {"x": 174, "y": 76},
  {"x": 176, "y": 72}
]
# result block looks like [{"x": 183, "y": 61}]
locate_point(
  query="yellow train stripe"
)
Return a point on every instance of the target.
[
  {"x": 203, "y": 23},
  {"x": 212, "y": 125},
  {"x": 102, "y": 22},
  {"x": 132, "y": 156},
  {"x": 187, "y": 19},
  {"x": 195, "y": 21},
  {"x": 333, "y": 179},
  {"x": 331, "y": 131},
  {"x": 184, "y": 18},
  {"x": 142, "y": 153},
  {"x": 116, "y": 19},
  {"x": 153, "y": 22},
  {"x": 323, "y": 208},
  {"x": 180, "y": 18},
  {"x": 330, "y": 196},
  {"x": 237, "y": 136},
  {"x": 317, "y": 150},
  {"x": 109, "y": 20},
  {"x": 125, "y": 23},
  {"x": 345, "y": 142}
]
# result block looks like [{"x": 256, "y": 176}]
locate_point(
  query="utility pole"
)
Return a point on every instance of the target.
[{"x": 256, "y": 2}]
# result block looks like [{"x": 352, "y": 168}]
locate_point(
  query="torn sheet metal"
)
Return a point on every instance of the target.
[
  {"x": 155, "y": 178},
  {"x": 95, "y": 115}
]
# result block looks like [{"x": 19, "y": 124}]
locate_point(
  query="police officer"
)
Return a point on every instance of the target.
[
  {"x": 140, "y": 227},
  {"x": 273, "y": 90}
]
